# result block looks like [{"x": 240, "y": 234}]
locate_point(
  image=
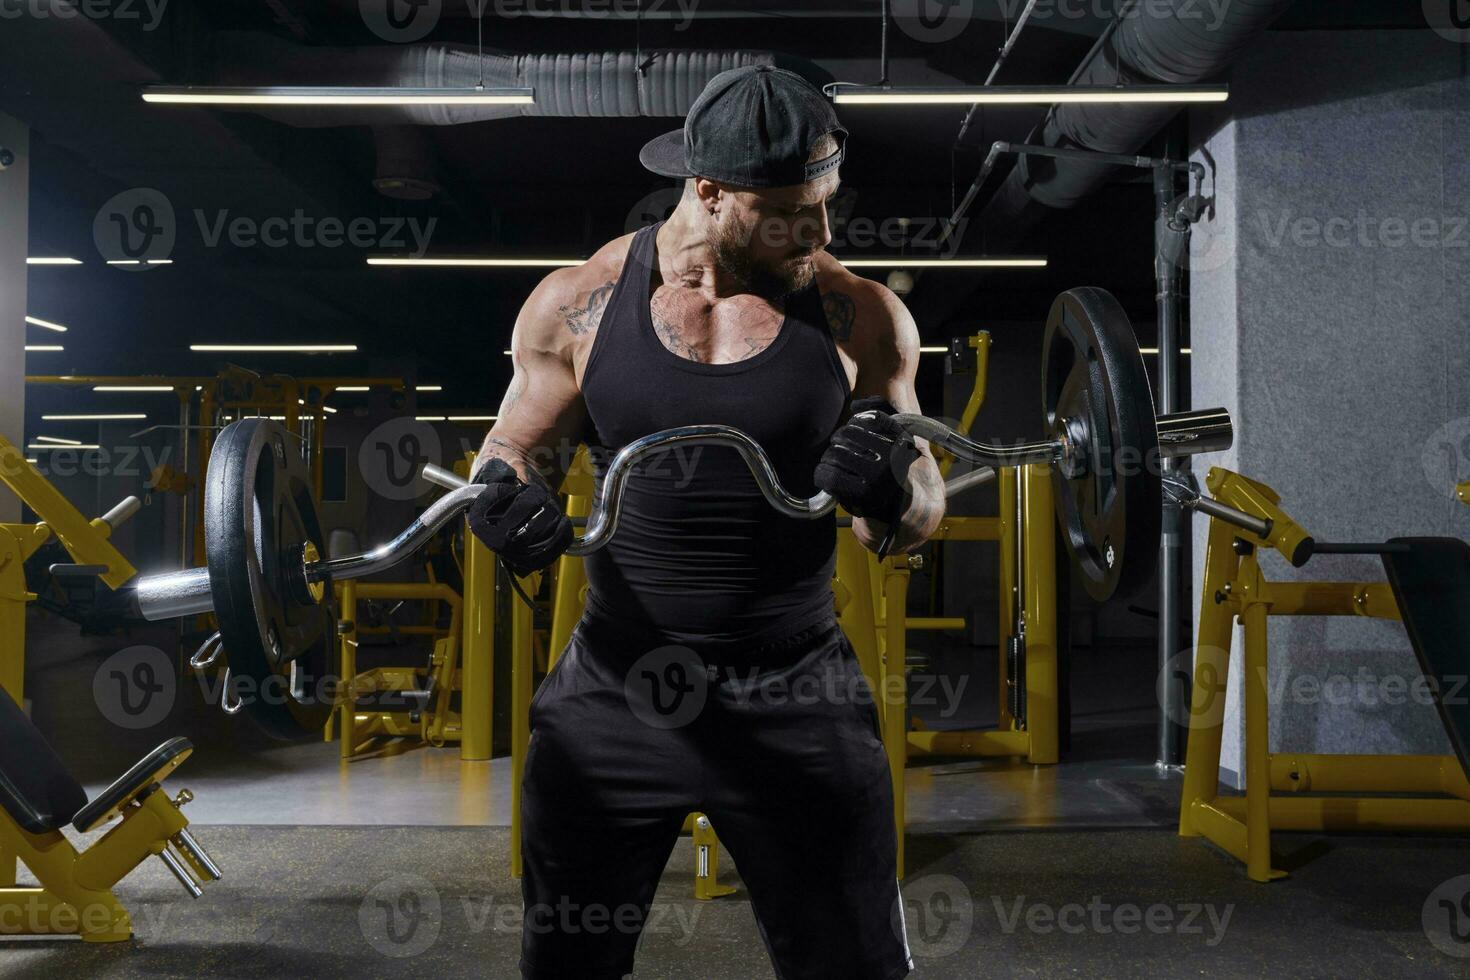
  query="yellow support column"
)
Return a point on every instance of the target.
[
  {"x": 893, "y": 690},
  {"x": 1042, "y": 702},
  {"x": 520, "y": 709},
  {"x": 1257, "y": 747},
  {"x": 347, "y": 710},
  {"x": 13, "y": 599},
  {"x": 1210, "y": 677},
  {"x": 571, "y": 579},
  {"x": 477, "y": 678},
  {"x": 857, "y": 617},
  {"x": 1006, "y": 585}
]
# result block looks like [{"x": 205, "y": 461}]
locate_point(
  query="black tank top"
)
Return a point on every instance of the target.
[{"x": 700, "y": 556}]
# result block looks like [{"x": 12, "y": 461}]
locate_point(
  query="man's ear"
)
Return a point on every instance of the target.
[{"x": 708, "y": 193}]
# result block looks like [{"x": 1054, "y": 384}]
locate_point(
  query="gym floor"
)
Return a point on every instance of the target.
[{"x": 1012, "y": 870}]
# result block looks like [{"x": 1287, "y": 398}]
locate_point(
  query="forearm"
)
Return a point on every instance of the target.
[
  {"x": 532, "y": 464},
  {"x": 922, "y": 516}
]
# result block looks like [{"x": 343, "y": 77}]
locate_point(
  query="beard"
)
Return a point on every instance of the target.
[{"x": 772, "y": 279}]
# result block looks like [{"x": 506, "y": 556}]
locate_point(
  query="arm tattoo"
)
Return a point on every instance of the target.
[
  {"x": 513, "y": 393},
  {"x": 581, "y": 319},
  {"x": 840, "y": 312},
  {"x": 528, "y": 471}
]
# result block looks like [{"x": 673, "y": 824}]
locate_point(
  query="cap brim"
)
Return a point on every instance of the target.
[{"x": 665, "y": 155}]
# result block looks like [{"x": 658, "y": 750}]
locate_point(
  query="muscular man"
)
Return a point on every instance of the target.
[{"x": 708, "y": 673}]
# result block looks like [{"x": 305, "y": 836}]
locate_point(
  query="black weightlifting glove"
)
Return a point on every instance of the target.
[
  {"x": 522, "y": 523},
  {"x": 865, "y": 465}
]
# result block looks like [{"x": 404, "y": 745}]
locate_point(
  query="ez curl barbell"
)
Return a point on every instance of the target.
[{"x": 268, "y": 580}]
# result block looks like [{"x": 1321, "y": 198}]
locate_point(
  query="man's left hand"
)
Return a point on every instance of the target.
[{"x": 866, "y": 466}]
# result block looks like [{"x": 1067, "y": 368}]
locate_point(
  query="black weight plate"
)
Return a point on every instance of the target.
[
  {"x": 1110, "y": 511},
  {"x": 259, "y": 516}
]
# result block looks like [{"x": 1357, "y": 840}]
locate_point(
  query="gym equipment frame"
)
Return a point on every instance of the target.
[{"x": 1245, "y": 517}]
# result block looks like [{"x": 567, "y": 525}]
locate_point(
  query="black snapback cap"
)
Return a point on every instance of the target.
[{"x": 753, "y": 126}]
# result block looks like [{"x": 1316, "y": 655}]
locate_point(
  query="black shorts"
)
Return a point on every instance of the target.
[{"x": 778, "y": 746}]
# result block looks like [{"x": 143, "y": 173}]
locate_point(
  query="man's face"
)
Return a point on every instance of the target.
[{"x": 766, "y": 238}]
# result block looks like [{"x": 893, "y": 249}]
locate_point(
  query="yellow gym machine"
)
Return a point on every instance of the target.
[
  {"x": 300, "y": 403},
  {"x": 1246, "y": 517},
  {"x": 38, "y": 795},
  {"x": 411, "y": 709}
]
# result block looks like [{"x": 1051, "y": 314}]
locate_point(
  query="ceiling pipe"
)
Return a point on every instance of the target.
[
  {"x": 1175, "y": 42},
  {"x": 582, "y": 84}
]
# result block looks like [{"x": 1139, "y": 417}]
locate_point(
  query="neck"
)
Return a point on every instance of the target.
[{"x": 684, "y": 254}]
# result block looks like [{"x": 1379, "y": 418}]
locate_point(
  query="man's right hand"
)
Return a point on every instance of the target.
[{"x": 522, "y": 523}]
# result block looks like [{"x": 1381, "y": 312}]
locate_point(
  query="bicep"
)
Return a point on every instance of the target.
[
  {"x": 889, "y": 360},
  {"x": 541, "y": 414}
]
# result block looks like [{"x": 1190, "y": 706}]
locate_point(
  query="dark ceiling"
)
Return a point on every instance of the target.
[{"x": 513, "y": 186}]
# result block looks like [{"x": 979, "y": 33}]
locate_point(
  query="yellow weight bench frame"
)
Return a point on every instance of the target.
[
  {"x": 1235, "y": 588},
  {"x": 38, "y": 796}
]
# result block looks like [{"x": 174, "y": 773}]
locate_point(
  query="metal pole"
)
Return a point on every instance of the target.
[{"x": 1171, "y": 565}]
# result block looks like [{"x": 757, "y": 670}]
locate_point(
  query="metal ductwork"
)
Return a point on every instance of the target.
[
  {"x": 591, "y": 84},
  {"x": 1178, "y": 42}
]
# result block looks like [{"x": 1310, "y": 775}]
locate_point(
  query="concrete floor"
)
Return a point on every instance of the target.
[{"x": 1013, "y": 870}]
